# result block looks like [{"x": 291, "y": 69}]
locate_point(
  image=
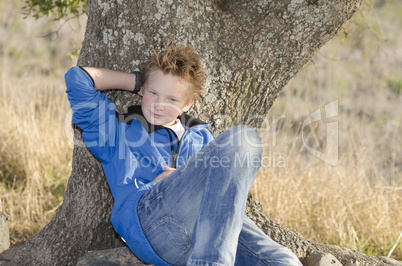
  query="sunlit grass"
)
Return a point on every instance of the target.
[
  {"x": 356, "y": 203},
  {"x": 353, "y": 204},
  {"x": 35, "y": 156}
]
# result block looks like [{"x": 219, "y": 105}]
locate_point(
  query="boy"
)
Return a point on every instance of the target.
[{"x": 190, "y": 216}]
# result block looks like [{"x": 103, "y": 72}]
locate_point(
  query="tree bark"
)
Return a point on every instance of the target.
[{"x": 250, "y": 48}]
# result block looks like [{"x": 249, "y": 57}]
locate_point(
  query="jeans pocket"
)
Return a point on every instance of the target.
[{"x": 169, "y": 239}]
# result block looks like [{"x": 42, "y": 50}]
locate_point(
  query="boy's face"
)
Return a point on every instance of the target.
[{"x": 164, "y": 98}]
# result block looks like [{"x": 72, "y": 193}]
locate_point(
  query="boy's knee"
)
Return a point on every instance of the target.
[
  {"x": 239, "y": 143},
  {"x": 248, "y": 140}
]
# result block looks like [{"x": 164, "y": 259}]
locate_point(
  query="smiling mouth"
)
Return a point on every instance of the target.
[{"x": 156, "y": 115}]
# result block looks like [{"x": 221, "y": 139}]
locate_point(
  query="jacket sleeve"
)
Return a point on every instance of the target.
[{"x": 93, "y": 112}]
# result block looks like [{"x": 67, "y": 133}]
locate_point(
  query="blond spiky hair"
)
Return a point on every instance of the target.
[{"x": 181, "y": 61}]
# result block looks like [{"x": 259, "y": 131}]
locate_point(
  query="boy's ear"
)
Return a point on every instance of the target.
[
  {"x": 187, "y": 106},
  {"x": 141, "y": 92}
]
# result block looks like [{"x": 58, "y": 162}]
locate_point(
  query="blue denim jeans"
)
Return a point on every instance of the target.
[{"x": 196, "y": 216}]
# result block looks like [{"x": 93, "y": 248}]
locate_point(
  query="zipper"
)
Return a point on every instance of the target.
[
  {"x": 175, "y": 154},
  {"x": 172, "y": 153},
  {"x": 174, "y": 157}
]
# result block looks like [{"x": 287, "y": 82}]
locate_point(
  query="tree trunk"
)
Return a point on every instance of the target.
[{"x": 250, "y": 48}]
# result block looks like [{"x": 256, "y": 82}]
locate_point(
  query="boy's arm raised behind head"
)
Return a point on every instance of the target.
[
  {"x": 106, "y": 79},
  {"x": 93, "y": 112}
]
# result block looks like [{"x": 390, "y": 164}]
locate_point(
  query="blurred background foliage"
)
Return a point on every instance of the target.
[{"x": 58, "y": 8}]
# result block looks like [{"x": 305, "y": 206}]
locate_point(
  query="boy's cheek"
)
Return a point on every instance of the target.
[
  {"x": 145, "y": 102},
  {"x": 174, "y": 112}
]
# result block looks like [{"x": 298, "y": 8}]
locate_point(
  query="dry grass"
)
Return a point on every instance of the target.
[
  {"x": 351, "y": 204},
  {"x": 358, "y": 202},
  {"x": 35, "y": 154},
  {"x": 354, "y": 204}
]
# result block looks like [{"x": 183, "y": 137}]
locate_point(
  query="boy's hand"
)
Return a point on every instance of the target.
[{"x": 166, "y": 173}]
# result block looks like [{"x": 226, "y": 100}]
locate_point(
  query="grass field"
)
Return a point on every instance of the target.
[
  {"x": 355, "y": 203},
  {"x": 35, "y": 154},
  {"x": 358, "y": 202}
]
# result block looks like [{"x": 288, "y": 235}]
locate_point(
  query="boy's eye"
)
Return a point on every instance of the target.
[
  {"x": 153, "y": 93},
  {"x": 172, "y": 99}
]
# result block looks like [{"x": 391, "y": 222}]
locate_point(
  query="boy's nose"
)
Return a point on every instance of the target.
[{"x": 160, "y": 107}]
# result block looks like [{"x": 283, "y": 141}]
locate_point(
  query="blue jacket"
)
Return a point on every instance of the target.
[{"x": 132, "y": 152}]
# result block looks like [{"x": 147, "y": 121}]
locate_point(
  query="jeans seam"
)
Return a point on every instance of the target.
[
  {"x": 204, "y": 262},
  {"x": 253, "y": 253},
  {"x": 171, "y": 219}
]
